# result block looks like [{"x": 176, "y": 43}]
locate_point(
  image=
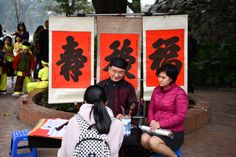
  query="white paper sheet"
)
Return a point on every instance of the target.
[
  {"x": 53, "y": 123},
  {"x": 54, "y": 133}
]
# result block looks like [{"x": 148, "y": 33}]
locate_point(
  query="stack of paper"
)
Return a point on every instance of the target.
[
  {"x": 50, "y": 128},
  {"x": 52, "y": 124},
  {"x": 54, "y": 133}
]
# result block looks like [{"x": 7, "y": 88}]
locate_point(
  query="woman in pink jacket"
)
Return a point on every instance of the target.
[
  {"x": 97, "y": 115},
  {"x": 167, "y": 110}
]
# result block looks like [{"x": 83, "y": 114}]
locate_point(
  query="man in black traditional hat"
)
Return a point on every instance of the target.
[{"x": 120, "y": 93}]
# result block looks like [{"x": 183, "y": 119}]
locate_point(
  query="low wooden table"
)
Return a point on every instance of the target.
[{"x": 48, "y": 142}]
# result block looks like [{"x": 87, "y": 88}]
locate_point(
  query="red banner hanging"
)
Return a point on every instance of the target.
[
  {"x": 71, "y": 59},
  {"x": 120, "y": 45},
  {"x": 164, "y": 47}
]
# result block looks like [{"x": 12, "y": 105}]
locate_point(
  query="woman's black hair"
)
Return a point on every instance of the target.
[
  {"x": 21, "y": 24},
  {"x": 170, "y": 70},
  {"x": 8, "y": 37},
  {"x": 40, "y": 27},
  {"x": 96, "y": 95}
]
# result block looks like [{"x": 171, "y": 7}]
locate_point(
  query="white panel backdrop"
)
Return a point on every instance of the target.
[
  {"x": 79, "y": 24},
  {"x": 164, "y": 23}
]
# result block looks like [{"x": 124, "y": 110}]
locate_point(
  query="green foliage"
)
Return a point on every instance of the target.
[
  {"x": 76, "y": 6},
  {"x": 42, "y": 99},
  {"x": 215, "y": 65},
  {"x": 135, "y": 6}
]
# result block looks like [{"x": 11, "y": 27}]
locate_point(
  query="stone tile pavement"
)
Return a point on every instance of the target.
[{"x": 216, "y": 139}]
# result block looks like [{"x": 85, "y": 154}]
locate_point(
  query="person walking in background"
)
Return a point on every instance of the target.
[
  {"x": 39, "y": 29},
  {"x": 44, "y": 42},
  {"x": 95, "y": 112},
  {"x": 3, "y": 71},
  {"x": 192, "y": 53},
  {"x": 167, "y": 110},
  {"x": 42, "y": 81},
  {"x": 121, "y": 94},
  {"x": 21, "y": 30},
  {"x": 9, "y": 57},
  {"x": 1, "y": 32},
  {"x": 23, "y": 64},
  {"x": 36, "y": 49}
]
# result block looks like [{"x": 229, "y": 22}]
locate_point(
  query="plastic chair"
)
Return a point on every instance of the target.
[
  {"x": 17, "y": 137},
  {"x": 177, "y": 152}
]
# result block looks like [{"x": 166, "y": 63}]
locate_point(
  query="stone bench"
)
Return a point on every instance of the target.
[{"x": 30, "y": 113}]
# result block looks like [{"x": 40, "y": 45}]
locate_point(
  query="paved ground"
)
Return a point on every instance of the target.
[{"x": 216, "y": 139}]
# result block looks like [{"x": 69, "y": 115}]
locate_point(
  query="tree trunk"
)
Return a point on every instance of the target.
[{"x": 16, "y": 5}]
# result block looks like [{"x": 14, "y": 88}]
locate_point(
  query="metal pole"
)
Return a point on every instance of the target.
[{"x": 121, "y": 14}]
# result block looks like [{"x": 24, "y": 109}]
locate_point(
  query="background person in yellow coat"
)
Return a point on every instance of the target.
[
  {"x": 3, "y": 71},
  {"x": 42, "y": 78}
]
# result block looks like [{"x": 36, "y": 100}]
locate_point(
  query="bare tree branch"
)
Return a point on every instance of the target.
[
  {"x": 16, "y": 5},
  {"x": 150, "y": 9}
]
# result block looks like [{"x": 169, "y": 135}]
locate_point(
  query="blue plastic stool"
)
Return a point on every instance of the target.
[
  {"x": 17, "y": 137},
  {"x": 177, "y": 152}
]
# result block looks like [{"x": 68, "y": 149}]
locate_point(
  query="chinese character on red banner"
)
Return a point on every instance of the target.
[
  {"x": 71, "y": 59},
  {"x": 120, "y": 45},
  {"x": 164, "y": 47}
]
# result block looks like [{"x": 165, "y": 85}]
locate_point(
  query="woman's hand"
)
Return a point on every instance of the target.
[
  {"x": 14, "y": 33},
  {"x": 154, "y": 125},
  {"x": 120, "y": 116}
]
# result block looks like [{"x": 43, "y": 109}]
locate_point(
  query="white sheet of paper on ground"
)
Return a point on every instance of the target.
[{"x": 163, "y": 132}]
